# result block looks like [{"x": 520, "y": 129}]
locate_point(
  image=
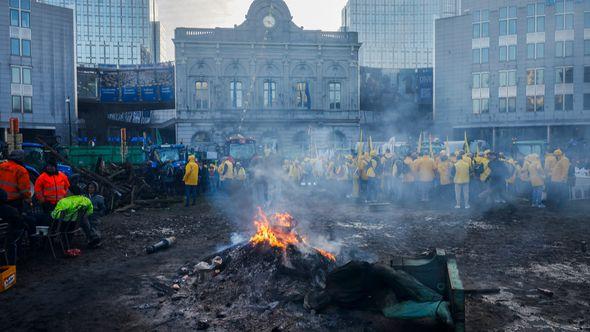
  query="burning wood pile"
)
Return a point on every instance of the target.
[{"x": 265, "y": 278}]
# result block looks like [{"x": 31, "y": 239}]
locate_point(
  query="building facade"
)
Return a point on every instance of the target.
[
  {"x": 112, "y": 31},
  {"x": 37, "y": 58},
  {"x": 269, "y": 79},
  {"x": 515, "y": 69},
  {"x": 396, "y": 34}
]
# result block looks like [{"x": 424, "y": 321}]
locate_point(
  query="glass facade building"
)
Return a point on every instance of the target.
[
  {"x": 396, "y": 34},
  {"x": 111, "y": 31}
]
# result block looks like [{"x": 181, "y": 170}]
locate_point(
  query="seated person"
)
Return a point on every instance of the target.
[
  {"x": 97, "y": 201},
  {"x": 16, "y": 226},
  {"x": 75, "y": 207}
]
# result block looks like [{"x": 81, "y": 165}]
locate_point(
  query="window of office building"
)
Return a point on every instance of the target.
[
  {"x": 564, "y": 75},
  {"x": 26, "y": 47},
  {"x": 508, "y": 20},
  {"x": 564, "y": 48},
  {"x": 14, "y": 46},
  {"x": 27, "y": 76},
  {"x": 587, "y": 102},
  {"x": 236, "y": 93},
  {"x": 507, "y": 105},
  {"x": 25, "y": 19},
  {"x": 564, "y": 102},
  {"x": 335, "y": 90},
  {"x": 481, "y": 24},
  {"x": 481, "y": 80},
  {"x": 14, "y": 17},
  {"x": 535, "y": 103},
  {"x": 16, "y": 104},
  {"x": 269, "y": 93},
  {"x": 564, "y": 14},
  {"x": 20, "y": 15},
  {"x": 587, "y": 74},
  {"x": 27, "y": 104},
  {"x": 481, "y": 55},
  {"x": 587, "y": 47},
  {"x": 507, "y": 78},
  {"x": 587, "y": 20},
  {"x": 202, "y": 95},
  {"x": 536, "y": 17},
  {"x": 535, "y": 51},
  {"x": 481, "y": 106},
  {"x": 535, "y": 76},
  {"x": 15, "y": 75},
  {"x": 508, "y": 53}
]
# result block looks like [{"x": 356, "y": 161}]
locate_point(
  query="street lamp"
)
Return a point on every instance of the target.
[{"x": 69, "y": 120}]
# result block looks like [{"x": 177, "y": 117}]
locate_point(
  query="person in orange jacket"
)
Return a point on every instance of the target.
[
  {"x": 15, "y": 180},
  {"x": 51, "y": 186}
]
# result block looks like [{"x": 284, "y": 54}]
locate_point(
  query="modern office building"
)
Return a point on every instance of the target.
[
  {"x": 269, "y": 79},
  {"x": 38, "y": 68},
  {"x": 112, "y": 31},
  {"x": 396, "y": 34},
  {"x": 515, "y": 69}
]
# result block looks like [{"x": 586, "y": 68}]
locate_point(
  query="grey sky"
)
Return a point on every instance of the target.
[{"x": 311, "y": 14}]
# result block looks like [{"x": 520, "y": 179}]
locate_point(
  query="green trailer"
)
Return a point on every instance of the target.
[
  {"x": 439, "y": 271},
  {"x": 86, "y": 157}
]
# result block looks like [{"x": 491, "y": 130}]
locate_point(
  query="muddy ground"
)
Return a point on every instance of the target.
[{"x": 515, "y": 249}]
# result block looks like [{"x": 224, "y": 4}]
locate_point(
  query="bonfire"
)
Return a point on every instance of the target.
[{"x": 278, "y": 231}]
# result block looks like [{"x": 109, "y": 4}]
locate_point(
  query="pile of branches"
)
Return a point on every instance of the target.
[{"x": 123, "y": 186}]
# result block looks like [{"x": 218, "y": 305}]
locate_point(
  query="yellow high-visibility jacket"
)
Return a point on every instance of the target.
[
  {"x": 462, "y": 170},
  {"x": 559, "y": 173},
  {"x": 191, "y": 172}
]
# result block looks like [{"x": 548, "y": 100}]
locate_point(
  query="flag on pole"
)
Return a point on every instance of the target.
[
  {"x": 466, "y": 144},
  {"x": 419, "y": 148}
]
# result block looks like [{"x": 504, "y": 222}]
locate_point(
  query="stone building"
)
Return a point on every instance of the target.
[{"x": 269, "y": 79}]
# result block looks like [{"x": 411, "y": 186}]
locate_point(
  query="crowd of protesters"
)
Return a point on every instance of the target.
[{"x": 458, "y": 180}]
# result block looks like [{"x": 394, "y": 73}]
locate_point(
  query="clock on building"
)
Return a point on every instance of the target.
[{"x": 269, "y": 21}]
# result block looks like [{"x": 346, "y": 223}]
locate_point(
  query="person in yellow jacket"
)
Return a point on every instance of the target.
[
  {"x": 408, "y": 178},
  {"x": 559, "y": 177},
  {"x": 461, "y": 179},
  {"x": 425, "y": 168},
  {"x": 226, "y": 173},
  {"x": 444, "y": 175},
  {"x": 239, "y": 172},
  {"x": 536, "y": 175},
  {"x": 191, "y": 180},
  {"x": 550, "y": 161}
]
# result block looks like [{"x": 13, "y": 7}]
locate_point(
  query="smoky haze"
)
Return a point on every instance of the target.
[{"x": 322, "y": 15}]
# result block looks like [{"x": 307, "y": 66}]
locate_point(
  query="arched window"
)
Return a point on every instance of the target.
[
  {"x": 202, "y": 95},
  {"x": 270, "y": 93},
  {"x": 236, "y": 94},
  {"x": 335, "y": 92},
  {"x": 303, "y": 95}
]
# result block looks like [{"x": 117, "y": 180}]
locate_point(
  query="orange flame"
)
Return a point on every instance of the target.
[{"x": 278, "y": 231}]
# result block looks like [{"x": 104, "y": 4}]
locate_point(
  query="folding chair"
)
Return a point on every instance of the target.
[
  {"x": 72, "y": 228},
  {"x": 63, "y": 231},
  {"x": 56, "y": 231},
  {"x": 4, "y": 232}
]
